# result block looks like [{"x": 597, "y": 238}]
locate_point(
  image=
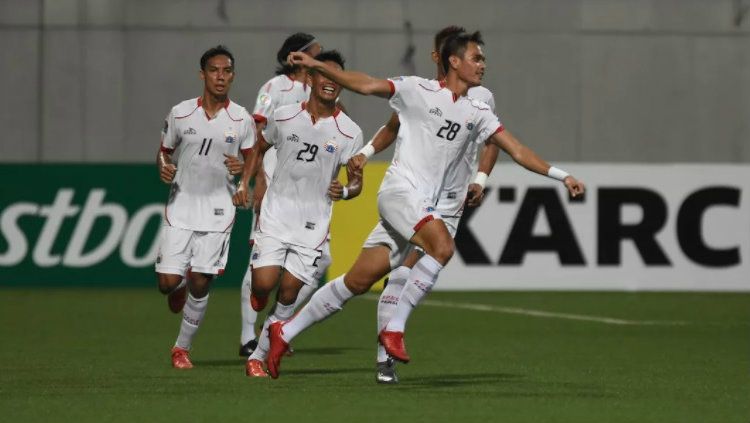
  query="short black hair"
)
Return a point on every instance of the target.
[
  {"x": 292, "y": 43},
  {"x": 330, "y": 56},
  {"x": 219, "y": 50},
  {"x": 456, "y": 46},
  {"x": 448, "y": 31}
]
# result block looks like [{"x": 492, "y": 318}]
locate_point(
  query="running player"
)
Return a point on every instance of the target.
[
  {"x": 456, "y": 189},
  {"x": 438, "y": 122},
  {"x": 313, "y": 140},
  {"x": 199, "y": 133},
  {"x": 289, "y": 86}
]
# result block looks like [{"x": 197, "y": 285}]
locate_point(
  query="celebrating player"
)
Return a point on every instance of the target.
[
  {"x": 450, "y": 205},
  {"x": 289, "y": 86},
  {"x": 200, "y": 133},
  {"x": 438, "y": 122},
  {"x": 313, "y": 140}
]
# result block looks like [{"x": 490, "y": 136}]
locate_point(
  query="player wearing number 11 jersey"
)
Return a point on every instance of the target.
[{"x": 198, "y": 135}]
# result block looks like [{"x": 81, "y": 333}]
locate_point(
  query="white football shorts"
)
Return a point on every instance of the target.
[
  {"x": 204, "y": 252},
  {"x": 306, "y": 264}
]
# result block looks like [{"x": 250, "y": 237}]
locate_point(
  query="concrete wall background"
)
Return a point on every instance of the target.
[{"x": 577, "y": 80}]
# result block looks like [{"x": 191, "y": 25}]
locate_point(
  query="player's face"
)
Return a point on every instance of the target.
[
  {"x": 471, "y": 66},
  {"x": 218, "y": 75},
  {"x": 323, "y": 88}
]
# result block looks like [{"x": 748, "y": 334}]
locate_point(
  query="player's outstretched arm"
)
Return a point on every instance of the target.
[
  {"x": 167, "y": 169},
  {"x": 358, "y": 82},
  {"x": 379, "y": 142},
  {"x": 487, "y": 160},
  {"x": 241, "y": 198},
  {"x": 531, "y": 161}
]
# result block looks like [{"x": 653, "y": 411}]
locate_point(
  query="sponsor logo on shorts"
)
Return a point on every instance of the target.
[
  {"x": 436, "y": 111},
  {"x": 255, "y": 256},
  {"x": 158, "y": 259},
  {"x": 218, "y": 212},
  {"x": 293, "y": 138},
  {"x": 189, "y": 131},
  {"x": 451, "y": 195},
  {"x": 310, "y": 225}
]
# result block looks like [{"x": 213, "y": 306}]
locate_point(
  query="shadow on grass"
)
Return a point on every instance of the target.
[
  {"x": 337, "y": 371},
  {"x": 447, "y": 380}
]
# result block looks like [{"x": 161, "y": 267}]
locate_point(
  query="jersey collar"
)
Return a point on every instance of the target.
[
  {"x": 336, "y": 112},
  {"x": 443, "y": 85}
]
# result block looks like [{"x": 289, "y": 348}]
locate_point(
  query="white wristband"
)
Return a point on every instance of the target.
[
  {"x": 481, "y": 179},
  {"x": 368, "y": 150},
  {"x": 345, "y": 194},
  {"x": 558, "y": 174}
]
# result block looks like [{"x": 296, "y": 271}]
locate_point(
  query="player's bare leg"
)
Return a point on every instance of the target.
[
  {"x": 192, "y": 316},
  {"x": 371, "y": 265},
  {"x": 264, "y": 281},
  {"x": 175, "y": 288},
  {"x": 286, "y": 298},
  {"x": 437, "y": 243}
]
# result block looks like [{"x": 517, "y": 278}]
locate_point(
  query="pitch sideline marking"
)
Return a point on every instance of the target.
[{"x": 545, "y": 314}]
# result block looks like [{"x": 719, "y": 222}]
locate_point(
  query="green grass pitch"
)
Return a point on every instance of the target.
[{"x": 102, "y": 355}]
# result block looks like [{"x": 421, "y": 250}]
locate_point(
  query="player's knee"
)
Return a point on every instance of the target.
[
  {"x": 443, "y": 251},
  {"x": 357, "y": 285},
  {"x": 167, "y": 283}
]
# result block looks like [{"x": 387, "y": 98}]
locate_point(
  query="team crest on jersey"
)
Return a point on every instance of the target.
[
  {"x": 330, "y": 146},
  {"x": 293, "y": 138},
  {"x": 230, "y": 136},
  {"x": 436, "y": 111},
  {"x": 264, "y": 99}
]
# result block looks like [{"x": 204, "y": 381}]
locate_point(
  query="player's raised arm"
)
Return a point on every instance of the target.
[
  {"x": 531, "y": 161},
  {"x": 358, "y": 82}
]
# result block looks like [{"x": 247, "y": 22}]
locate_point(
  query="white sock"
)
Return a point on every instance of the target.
[
  {"x": 388, "y": 301},
  {"x": 282, "y": 312},
  {"x": 326, "y": 301},
  {"x": 249, "y": 316},
  {"x": 303, "y": 295},
  {"x": 192, "y": 315},
  {"x": 421, "y": 279}
]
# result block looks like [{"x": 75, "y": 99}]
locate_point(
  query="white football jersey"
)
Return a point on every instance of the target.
[
  {"x": 280, "y": 90},
  {"x": 297, "y": 208},
  {"x": 437, "y": 128},
  {"x": 200, "y": 198},
  {"x": 457, "y": 180}
]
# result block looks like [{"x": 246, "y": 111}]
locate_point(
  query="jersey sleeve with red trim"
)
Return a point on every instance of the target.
[
  {"x": 489, "y": 124},
  {"x": 169, "y": 138},
  {"x": 271, "y": 131},
  {"x": 404, "y": 91},
  {"x": 265, "y": 103}
]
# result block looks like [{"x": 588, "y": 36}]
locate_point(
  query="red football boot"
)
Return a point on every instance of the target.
[
  {"x": 393, "y": 342},
  {"x": 258, "y": 304},
  {"x": 176, "y": 299},
  {"x": 277, "y": 349},
  {"x": 181, "y": 358},
  {"x": 254, "y": 368}
]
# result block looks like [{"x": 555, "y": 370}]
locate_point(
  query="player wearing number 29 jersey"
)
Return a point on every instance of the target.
[{"x": 296, "y": 208}]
